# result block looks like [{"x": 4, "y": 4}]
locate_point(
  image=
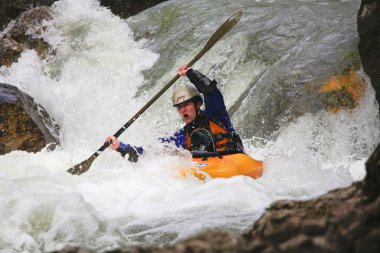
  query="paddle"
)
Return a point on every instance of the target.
[{"x": 222, "y": 30}]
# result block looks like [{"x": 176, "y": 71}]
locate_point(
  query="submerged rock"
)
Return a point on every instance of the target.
[
  {"x": 24, "y": 124},
  {"x": 343, "y": 91}
]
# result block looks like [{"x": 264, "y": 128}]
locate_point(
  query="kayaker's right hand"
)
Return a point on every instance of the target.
[{"x": 115, "y": 143}]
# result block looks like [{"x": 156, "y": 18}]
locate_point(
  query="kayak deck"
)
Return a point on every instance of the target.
[{"x": 225, "y": 166}]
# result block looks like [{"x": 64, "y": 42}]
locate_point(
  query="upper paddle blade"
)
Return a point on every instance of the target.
[
  {"x": 82, "y": 167},
  {"x": 217, "y": 35}
]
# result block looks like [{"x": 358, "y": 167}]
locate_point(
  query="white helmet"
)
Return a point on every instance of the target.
[{"x": 184, "y": 94}]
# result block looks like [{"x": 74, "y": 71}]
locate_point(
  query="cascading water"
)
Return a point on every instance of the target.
[{"x": 105, "y": 69}]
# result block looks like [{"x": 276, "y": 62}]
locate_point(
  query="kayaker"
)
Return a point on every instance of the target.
[{"x": 210, "y": 130}]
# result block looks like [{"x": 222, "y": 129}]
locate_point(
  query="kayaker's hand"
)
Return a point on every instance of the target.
[
  {"x": 115, "y": 143},
  {"x": 182, "y": 70}
]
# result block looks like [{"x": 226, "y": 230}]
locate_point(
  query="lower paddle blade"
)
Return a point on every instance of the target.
[{"x": 83, "y": 166}]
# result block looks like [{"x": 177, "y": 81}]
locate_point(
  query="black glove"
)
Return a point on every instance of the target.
[{"x": 131, "y": 152}]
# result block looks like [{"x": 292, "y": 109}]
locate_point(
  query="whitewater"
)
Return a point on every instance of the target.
[{"x": 103, "y": 71}]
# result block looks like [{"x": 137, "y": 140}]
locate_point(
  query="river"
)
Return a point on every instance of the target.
[{"x": 269, "y": 68}]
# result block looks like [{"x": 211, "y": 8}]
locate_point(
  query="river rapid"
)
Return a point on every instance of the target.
[{"x": 105, "y": 69}]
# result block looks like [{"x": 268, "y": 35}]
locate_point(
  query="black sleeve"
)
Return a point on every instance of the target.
[{"x": 201, "y": 82}]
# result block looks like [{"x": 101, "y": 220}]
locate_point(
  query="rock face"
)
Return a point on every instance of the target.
[
  {"x": 369, "y": 45},
  {"x": 126, "y": 8},
  {"x": 25, "y": 34},
  {"x": 10, "y": 10},
  {"x": 24, "y": 125}
]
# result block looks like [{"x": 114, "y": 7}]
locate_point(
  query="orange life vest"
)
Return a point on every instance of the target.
[{"x": 219, "y": 135}]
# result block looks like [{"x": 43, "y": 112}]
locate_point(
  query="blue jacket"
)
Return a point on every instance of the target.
[{"x": 215, "y": 111}]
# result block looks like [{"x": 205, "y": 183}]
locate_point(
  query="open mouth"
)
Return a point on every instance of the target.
[{"x": 185, "y": 116}]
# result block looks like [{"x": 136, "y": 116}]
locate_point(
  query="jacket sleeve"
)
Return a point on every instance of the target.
[
  {"x": 179, "y": 139},
  {"x": 215, "y": 107},
  {"x": 133, "y": 152},
  {"x": 202, "y": 83}
]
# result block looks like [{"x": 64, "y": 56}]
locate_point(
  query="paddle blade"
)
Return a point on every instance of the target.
[
  {"x": 218, "y": 34},
  {"x": 83, "y": 166}
]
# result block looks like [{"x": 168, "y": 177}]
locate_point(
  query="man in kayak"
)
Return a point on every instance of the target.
[{"x": 210, "y": 130}]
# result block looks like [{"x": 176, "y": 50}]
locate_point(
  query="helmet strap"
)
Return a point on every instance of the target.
[{"x": 197, "y": 111}]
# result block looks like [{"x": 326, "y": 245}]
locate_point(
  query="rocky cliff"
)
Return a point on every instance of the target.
[
  {"x": 24, "y": 124},
  {"x": 369, "y": 45}
]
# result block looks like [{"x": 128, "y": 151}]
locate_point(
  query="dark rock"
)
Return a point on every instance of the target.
[
  {"x": 126, "y": 8},
  {"x": 369, "y": 44},
  {"x": 24, "y": 124},
  {"x": 369, "y": 49},
  {"x": 73, "y": 250},
  {"x": 29, "y": 19},
  {"x": 24, "y": 34},
  {"x": 10, "y": 51},
  {"x": 372, "y": 179},
  {"x": 11, "y": 9}
]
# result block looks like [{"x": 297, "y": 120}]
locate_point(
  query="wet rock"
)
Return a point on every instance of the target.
[
  {"x": 369, "y": 49},
  {"x": 10, "y": 50},
  {"x": 343, "y": 91},
  {"x": 24, "y": 124},
  {"x": 73, "y": 250},
  {"x": 126, "y": 8},
  {"x": 26, "y": 31},
  {"x": 369, "y": 44},
  {"x": 372, "y": 179},
  {"x": 25, "y": 34},
  {"x": 10, "y": 10},
  {"x": 331, "y": 223}
]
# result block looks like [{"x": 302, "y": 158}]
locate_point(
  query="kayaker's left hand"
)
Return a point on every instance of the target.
[{"x": 182, "y": 70}]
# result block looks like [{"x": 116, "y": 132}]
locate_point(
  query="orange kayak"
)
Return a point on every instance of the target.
[{"x": 225, "y": 166}]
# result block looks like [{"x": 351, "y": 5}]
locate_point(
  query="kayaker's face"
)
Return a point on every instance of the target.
[{"x": 188, "y": 111}]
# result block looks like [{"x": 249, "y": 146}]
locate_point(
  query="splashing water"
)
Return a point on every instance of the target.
[{"x": 97, "y": 79}]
